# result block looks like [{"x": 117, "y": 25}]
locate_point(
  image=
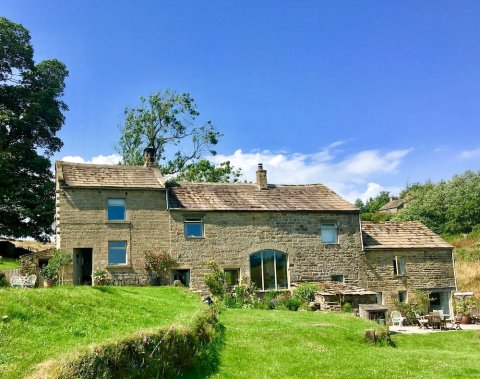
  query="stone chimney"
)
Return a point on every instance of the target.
[
  {"x": 262, "y": 177},
  {"x": 149, "y": 158}
]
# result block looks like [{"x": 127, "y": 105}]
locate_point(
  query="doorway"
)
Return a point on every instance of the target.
[
  {"x": 183, "y": 276},
  {"x": 82, "y": 266}
]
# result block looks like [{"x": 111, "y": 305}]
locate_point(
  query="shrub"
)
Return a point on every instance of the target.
[
  {"x": 3, "y": 280},
  {"x": 347, "y": 307},
  {"x": 100, "y": 276},
  {"x": 305, "y": 292},
  {"x": 159, "y": 265},
  {"x": 418, "y": 302},
  {"x": 215, "y": 281}
]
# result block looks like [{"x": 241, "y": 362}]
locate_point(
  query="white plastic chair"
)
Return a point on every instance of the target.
[
  {"x": 397, "y": 318},
  {"x": 30, "y": 281}
]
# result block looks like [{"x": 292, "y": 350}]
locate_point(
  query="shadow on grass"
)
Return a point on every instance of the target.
[
  {"x": 210, "y": 360},
  {"x": 104, "y": 289}
]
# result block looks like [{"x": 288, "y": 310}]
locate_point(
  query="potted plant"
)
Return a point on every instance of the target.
[
  {"x": 465, "y": 306},
  {"x": 100, "y": 277},
  {"x": 49, "y": 275}
]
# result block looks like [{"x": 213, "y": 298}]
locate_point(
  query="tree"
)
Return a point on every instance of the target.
[
  {"x": 205, "y": 171},
  {"x": 165, "y": 122},
  {"x": 30, "y": 116}
]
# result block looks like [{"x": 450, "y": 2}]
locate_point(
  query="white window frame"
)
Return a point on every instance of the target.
[
  {"x": 329, "y": 226},
  {"x": 124, "y": 208},
  {"x": 193, "y": 220},
  {"x": 117, "y": 248}
]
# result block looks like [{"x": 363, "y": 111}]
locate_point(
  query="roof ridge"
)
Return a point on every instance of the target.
[{"x": 98, "y": 165}]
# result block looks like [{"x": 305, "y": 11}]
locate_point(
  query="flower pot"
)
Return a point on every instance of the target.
[
  {"x": 48, "y": 283},
  {"x": 466, "y": 320}
]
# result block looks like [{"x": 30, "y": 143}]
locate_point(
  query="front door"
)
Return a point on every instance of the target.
[{"x": 82, "y": 266}]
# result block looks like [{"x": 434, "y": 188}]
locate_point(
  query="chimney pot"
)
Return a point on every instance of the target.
[
  {"x": 262, "y": 177},
  {"x": 149, "y": 158}
]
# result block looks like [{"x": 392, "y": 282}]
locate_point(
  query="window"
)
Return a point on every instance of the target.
[
  {"x": 379, "y": 298},
  {"x": 337, "y": 278},
  {"x": 399, "y": 266},
  {"x": 193, "y": 228},
  {"x": 117, "y": 253},
  {"x": 183, "y": 276},
  {"x": 402, "y": 296},
  {"x": 329, "y": 233},
  {"x": 232, "y": 276},
  {"x": 116, "y": 210},
  {"x": 268, "y": 270}
]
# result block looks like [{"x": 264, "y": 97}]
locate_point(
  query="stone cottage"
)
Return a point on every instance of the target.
[{"x": 277, "y": 235}]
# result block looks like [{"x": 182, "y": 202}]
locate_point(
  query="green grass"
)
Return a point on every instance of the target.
[
  {"x": 282, "y": 344},
  {"x": 9, "y": 263},
  {"x": 47, "y": 323}
]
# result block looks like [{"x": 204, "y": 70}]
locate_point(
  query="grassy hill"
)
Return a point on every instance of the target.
[
  {"x": 467, "y": 260},
  {"x": 282, "y": 344},
  {"x": 47, "y": 323}
]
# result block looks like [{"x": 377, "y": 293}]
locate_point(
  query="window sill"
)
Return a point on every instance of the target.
[
  {"x": 117, "y": 222},
  {"x": 194, "y": 238},
  {"x": 400, "y": 275},
  {"x": 330, "y": 244},
  {"x": 119, "y": 267}
]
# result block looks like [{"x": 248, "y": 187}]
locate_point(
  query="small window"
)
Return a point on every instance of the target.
[
  {"x": 232, "y": 276},
  {"x": 116, "y": 210},
  {"x": 117, "y": 253},
  {"x": 399, "y": 266},
  {"x": 402, "y": 296},
  {"x": 337, "y": 278},
  {"x": 183, "y": 276},
  {"x": 193, "y": 227},
  {"x": 379, "y": 298},
  {"x": 329, "y": 233}
]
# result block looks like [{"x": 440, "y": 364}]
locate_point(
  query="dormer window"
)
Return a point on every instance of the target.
[{"x": 116, "y": 210}]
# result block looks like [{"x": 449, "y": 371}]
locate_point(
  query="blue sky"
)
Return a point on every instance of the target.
[{"x": 359, "y": 95}]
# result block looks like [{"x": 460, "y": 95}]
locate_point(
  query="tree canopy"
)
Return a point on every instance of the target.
[
  {"x": 451, "y": 206},
  {"x": 31, "y": 113},
  {"x": 166, "y": 122}
]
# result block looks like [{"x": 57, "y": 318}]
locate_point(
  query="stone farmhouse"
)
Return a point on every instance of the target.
[{"x": 277, "y": 235}]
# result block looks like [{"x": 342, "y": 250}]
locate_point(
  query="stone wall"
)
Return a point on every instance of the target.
[
  {"x": 82, "y": 223},
  {"x": 425, "y": 269},
  {"x": 230, "y": 238}
]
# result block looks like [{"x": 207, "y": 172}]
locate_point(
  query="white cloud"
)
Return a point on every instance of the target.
[
  {"x": 99, "y": 159},
  {"x": 468, "y": 154},
  {"x": 349, "y": 176}
]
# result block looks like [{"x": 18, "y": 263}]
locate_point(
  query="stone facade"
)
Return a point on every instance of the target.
[{"x": 426, "y": 269}]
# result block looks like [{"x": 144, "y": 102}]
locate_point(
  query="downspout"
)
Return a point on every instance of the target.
[{"x": 363, "y": 257}]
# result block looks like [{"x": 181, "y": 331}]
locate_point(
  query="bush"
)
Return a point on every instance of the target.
[
  {"x": 215, "y": 281},
  {"x": 3, "y": 280},
  {"x": 347, "y": 308},
  {"x": 418, "y": 302},
  {"x": 305, "y": 293},
  {"x": 159, "y": 265},
  {"x": 167, "y": 352}
]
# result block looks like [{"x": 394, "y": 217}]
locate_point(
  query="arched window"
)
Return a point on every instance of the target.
[{"x": 268, "y": 270}]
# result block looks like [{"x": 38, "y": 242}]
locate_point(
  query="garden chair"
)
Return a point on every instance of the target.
[
  {"x": 16, "y": 281},
  {"x": 397, "y": 318},
  {"x": 30, "y": 281},
  {"x": 436, "y": 320},
  {"x": 422, "y": 320}
]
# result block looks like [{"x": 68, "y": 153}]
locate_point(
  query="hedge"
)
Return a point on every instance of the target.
[{"x": 160, "y": 353}]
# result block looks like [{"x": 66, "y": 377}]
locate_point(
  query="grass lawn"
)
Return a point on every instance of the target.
[
  {"x": 282, "y": 344},
  {"x": 46, "y": 323},
  {"x": 9, "y": 263}
]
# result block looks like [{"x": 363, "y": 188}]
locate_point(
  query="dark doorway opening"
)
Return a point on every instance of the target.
[
  {"x": 183, "y": 276},
  {"x": 82, "y": 266}
]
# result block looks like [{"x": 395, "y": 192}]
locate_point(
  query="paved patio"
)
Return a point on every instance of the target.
[{"x": 418, "y": 330}]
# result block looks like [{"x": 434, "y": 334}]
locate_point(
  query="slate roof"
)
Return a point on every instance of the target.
[
  {"x": 108, "y": 176},
  {"x": 393, "y": 235},
  {"x": 248, "y": 197},
  {"x": 392, "y": 204}
]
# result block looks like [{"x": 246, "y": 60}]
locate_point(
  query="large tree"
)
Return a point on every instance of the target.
[
  {"x": 30, "y": 116},
  {"x": 167, "y": 123}
]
